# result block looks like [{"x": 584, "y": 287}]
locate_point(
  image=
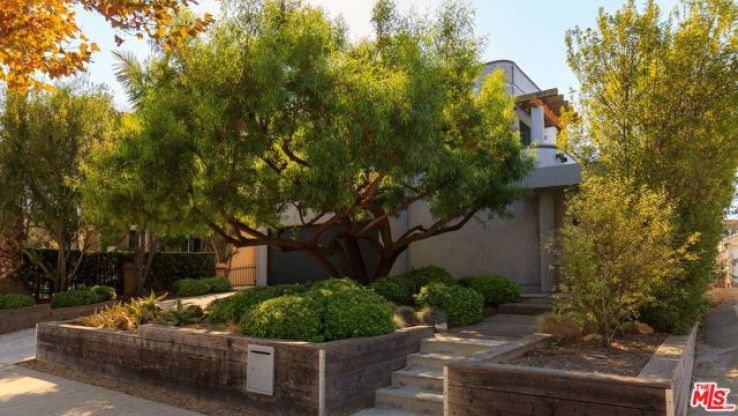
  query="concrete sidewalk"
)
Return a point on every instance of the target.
[
  {"x": 24, "y": 392},
  {"x": 716, "y": 358}
]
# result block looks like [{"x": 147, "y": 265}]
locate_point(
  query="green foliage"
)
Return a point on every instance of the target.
[
  {"x": 232, "y": 308},
  {"x": 50, "y": 136},
  {"x": 398, "y": 289},
  {"x": 218, "y": 284},
  {"x": 495, "y": 289},
  {"x": 463, "y": 306},
  {"x": 293, "y": 317},
  {"x": 74, "y": 297},
  {"x": 615, "y": 248},
  {"x": 104, "y": 293},
  {"x": 166, "y": 268},
  {"x": 191, "y": 287},
  {"x": 128, "y": 316},
  {"x": 335, "y": 285},
  {"x": 15, "y": 300},
  {"x": 401, "y": 288},
  {"x": 658, "y": 107},
  {"x": 393, "y": 120},
  {"x": 185, "y": 316},
  {"x": 356, "y": 313}
]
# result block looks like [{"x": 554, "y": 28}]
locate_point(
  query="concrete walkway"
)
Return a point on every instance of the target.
[
  {"x": 24, "y": 392},
  {"x": 717, "y": 350}
]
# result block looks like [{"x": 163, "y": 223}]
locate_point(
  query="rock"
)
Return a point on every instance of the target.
[
  {"x": 642, "y": 328},
  {"x": 592, "y": 338}
]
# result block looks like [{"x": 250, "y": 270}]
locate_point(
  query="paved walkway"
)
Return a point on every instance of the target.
[{"x": 717, "y": 350}]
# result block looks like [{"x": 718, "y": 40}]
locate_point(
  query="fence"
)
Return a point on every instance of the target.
[{"x": 242, "y": 276}]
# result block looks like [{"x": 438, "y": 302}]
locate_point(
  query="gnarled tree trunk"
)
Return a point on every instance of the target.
[{"x": 11, "y": 260}]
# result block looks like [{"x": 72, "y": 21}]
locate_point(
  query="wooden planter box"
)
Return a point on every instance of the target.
[
  {"x": 27, "y": 317},
  {"x": 476, "y": 387},
  {"x": 332, "y": 378}
]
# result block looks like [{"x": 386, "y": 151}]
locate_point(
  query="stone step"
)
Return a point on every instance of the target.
[
  {"x": 525, "y": 308},
  {"x": 385, "y": 412},
  {"x": 427, "y": 402},
  {"x": 421, "y": 378},
  {"x": 429, "y": 360},
  {"x": 457, "y": 346}
]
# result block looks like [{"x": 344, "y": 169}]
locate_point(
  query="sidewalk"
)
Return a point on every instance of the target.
[
  {"x": 24, "y": 392},
  {"x": 716, "y": 358}
]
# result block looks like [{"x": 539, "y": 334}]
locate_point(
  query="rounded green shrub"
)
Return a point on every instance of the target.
[
  {"x": 405, "y": 317},
  {"x": 336, "y": 285},
  {"x": 104, "y": 293},
  {"x": 231, "y": 308},
  {"x": 218, "y": 284},
  {"x": 430, "y": 274},
  {"x": 75, "y": 297},
  {"x": 462, "y": 305},
  {"x": 495, "y": 289},
  {"x": 295, "y": 317},
  {"x": 191, "y": 287},
  {"x": 15, "y": 300},
  {"x": 356, "y": 313},
  {"x": 397, "y": 289}
]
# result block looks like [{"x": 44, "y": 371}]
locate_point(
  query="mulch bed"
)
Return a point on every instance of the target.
[{"x": 627, "y": 356}]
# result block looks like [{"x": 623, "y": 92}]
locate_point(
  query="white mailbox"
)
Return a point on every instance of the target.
[{"x": 260, "y": 369}]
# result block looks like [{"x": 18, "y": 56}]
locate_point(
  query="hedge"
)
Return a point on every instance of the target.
[
  {"x": 15, "y": 300},
  {"x": 495, "y": 289},
  {"x": 463, "y": 306},
  {"x": 106, "y": 269}
]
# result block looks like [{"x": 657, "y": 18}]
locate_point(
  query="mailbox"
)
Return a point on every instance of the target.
[{"x": 260, "y": 370}]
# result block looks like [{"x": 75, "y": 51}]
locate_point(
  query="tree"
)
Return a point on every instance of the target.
[
  {"x": 615, "y": 248},
  {"x": 41, "y": 37},
  {"x": 658, "y": 105},
  {"x": 48, "y": 137},
  {"x": 276, "y": 114}
]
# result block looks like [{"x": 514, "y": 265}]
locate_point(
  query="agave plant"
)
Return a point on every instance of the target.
[
  {"x": 186, "y": 315},
  {"x": 128, "y": 316}
]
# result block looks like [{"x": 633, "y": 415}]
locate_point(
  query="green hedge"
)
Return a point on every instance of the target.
[
  {"x": 402, "y": 288},
  {"x": 218, "y": 284},
  {"x": 495, "y": 289},
  {"x": 463, "y": 306},
  {"x": 191, "y": 287},
  {"x": 107, "y": 268},
  {"x": 74, "y": 297},
  {"x": 15, "y": 300},
  {"x": 103, "y": 293},
  {"x": 232, "y": 308},
  {"x": 322, "y": 311}
]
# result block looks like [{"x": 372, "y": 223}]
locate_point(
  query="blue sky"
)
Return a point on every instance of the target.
[{"x": 530, "y": 32}]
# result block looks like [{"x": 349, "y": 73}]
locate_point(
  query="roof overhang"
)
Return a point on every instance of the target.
[
  {"x": 552, "y": 103},
  {"x": 556, "y": 176}
]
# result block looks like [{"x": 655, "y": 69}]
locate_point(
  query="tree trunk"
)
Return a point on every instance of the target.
[
  {"x": 61, "y": 263},
  {"x": 11, "y": 261},
  {"x": 143, "y": 256}
]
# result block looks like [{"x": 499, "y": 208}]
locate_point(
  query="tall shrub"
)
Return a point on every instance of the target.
[{"x": 616, "y": 248}]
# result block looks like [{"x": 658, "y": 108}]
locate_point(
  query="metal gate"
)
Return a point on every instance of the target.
[{"x": 242, "y": 276}]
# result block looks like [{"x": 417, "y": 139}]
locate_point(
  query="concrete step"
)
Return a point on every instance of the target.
[
  {"x": 385, "y": 412},
  {"x": 427, "y": 402},
  {"x": 457, "y": 346},
  {"x": 429, "y": 360},
  {"x": 421, "y": 378},
  {"x": 525, "y": 308}
]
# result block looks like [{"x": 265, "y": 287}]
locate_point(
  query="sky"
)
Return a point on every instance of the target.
[{"x": 529, "y": 32}]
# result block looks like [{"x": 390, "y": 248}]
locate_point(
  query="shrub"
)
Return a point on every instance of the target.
[
  {"x": 167, "y": 268},
  {"x": 334, "y": 285},
  {"x": 563, "y": 328},
  {"x": 618, "y": 250},
  {"x": 191, "y": 287},
  {"x": 218, "y": 284},
  {"x": 405, "y": 317},
  {"x": 463, "y": 306},
  {"x": 432, "y": 316},
  {"x": 104, "y": 293},
  {"x": 15, "y": 300},
  {"x": 495, "y": 289},
  {"x": 397, "y": 289},
  {"x": 356, "y": 313},
  {"x": 128, "y": 316},
  {"x": 232, "y": 308},
  {"x": 295, "y": 317},
  {"x": 429, "y": 274},
  {"x": 181, "y": 315},
  {"x": 74, "y": 297}
]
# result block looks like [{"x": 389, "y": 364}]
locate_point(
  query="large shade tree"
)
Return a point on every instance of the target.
[
  {"x": 275, "y": 126},
  {"x": 658, "y": 104}
]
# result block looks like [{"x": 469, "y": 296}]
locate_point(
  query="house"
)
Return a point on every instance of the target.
[{"x": 514, "y": 247}]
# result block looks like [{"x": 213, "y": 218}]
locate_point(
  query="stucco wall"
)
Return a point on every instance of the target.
[{"x": 505, "y": 246}]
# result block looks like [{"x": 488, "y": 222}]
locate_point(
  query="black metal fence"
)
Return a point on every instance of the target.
[{"x": 242, "y": 276}]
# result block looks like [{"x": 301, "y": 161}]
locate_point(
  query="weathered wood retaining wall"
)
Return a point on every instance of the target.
[
  {"x": 476, "y": 387},
  {"x": 333, "y": 378},
  {"x": 27, "y": 317}
]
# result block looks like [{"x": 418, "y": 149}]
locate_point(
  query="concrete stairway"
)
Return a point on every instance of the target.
[
  {"x": 528, "y": 306},
  {"x": 418, "y": 388}
]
